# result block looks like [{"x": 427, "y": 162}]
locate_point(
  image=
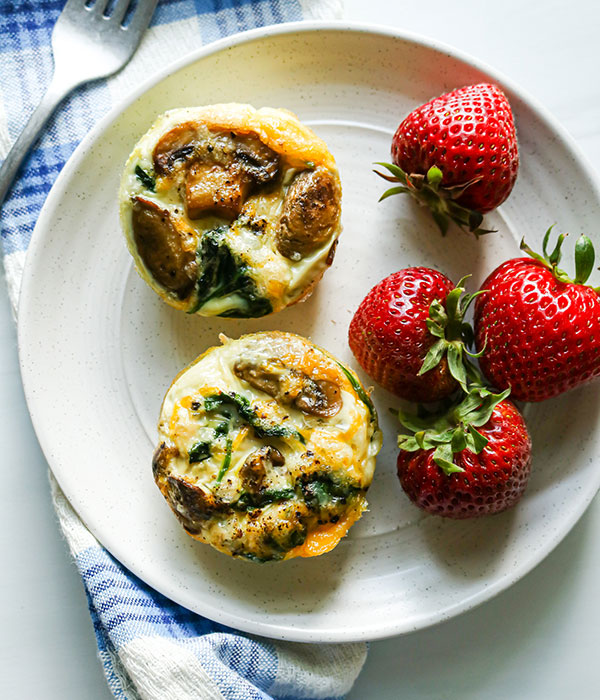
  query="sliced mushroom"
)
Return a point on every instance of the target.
[
  {"x": 267, "y": 379},
  {"x": 319, "y": 398},
  {"x": 168, "y": 252},
  {"x": 311, "y": 210},
  {"x": 161, "y": 458},
  {"x": 255, "y": 468},
  {"x": 220, "y": 168},
  {"x": 191, "y": 504},
  {"x": 176, "y": 146},
  {"x": 291, "y": 387},
  {"x": 214, "y": 189},
  {"x": 256, "y": 160}
]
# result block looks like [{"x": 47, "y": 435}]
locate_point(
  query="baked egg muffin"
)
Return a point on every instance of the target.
[
  {"x": 231, "y": 211},
  {"x": 267, "y": 447}
]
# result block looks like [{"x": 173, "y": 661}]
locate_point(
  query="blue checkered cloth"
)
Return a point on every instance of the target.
[{"x": 149, "y": 646}]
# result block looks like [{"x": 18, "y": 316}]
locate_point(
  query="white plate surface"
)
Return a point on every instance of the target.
[{"x": 99, "y": 349}]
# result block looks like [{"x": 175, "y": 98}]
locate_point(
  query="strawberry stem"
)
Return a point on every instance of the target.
[
  {"x": 454, "y": 334},
  {"x": 441, "y": 200},
  {"x": 584, "y": 258},
  {"x": 452, "y": 430}
]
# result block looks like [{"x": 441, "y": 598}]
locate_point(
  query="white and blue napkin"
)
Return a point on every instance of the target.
[{"x": 150, "y": 647}]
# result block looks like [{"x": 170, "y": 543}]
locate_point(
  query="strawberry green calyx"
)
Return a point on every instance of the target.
[
  {"x": 440, "y": 199},
  {"x": 584, "y": 258},
  {"x": 452, "y": 431},
  {"x": 453, "y": 335}
]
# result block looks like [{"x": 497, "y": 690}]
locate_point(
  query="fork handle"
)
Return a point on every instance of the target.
[{"x": 55, "y": 93}]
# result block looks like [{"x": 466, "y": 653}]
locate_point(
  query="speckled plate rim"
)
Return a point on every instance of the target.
[{"x": 36, "y": 409}]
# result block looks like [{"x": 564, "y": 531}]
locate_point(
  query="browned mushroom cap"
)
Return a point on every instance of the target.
[
  {"x": 161, "y": 458},
  {"x": 256, "y": 160},
  {"x": 176, "y": 146},
  {"x": 258, "y": 376},
  {"x": 257, "y": 464},
  {"x": 291, "y": 387},
  {"x": 220, "y": 168},
  {"x": 167, "y": 252},
  {"x": 311, "y": 210},
  {"x": 212, "y": 188},
  {"x": 191, "y": 504},
  {"x": 319, "y": 398}
]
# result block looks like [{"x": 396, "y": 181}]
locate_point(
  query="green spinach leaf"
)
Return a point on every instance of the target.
[
  {"x": 262, "y": 428},
  {"x": 199, "y": 452},
  {"x": 222, "y": 429},
  {"x": 222, "y": 274},
  {"x": 320, "y": 490},
  {"x": 362, "y": 394},
  {"x": 250, "y": 501},
  {"x": 226, "y": 462},
  {"x": 147, "y": 180}
]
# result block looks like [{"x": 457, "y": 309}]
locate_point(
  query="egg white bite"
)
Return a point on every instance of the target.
[
  {"x": 267, "y": 447},
  {"x": 231, "y": 211}
]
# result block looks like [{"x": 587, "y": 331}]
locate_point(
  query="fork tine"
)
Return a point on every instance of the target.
[
  {"x": 99, "y": 6},
  {"x": 71, "y": 5},
  {"x": 119, "y": 11},
  {"x": 141, "y": 16}
]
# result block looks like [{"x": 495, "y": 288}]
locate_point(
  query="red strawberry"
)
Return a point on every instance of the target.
[
  {"x": 407, "y": 334},
  {"x": 538, "y": 329},
  {"x": 458, "y": 155},
  {"x": 456, "y": 471}
]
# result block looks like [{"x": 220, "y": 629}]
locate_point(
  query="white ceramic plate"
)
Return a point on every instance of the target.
[{"x": 99, "y": 349}]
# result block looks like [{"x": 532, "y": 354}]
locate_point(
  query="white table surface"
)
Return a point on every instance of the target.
[{"x": 539, "y": 639}]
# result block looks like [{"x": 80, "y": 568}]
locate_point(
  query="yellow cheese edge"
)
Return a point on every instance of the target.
[{"x": 325, "y": 538}]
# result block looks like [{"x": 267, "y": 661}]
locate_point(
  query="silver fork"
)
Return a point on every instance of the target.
[{"x": 87, "y": 45}]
